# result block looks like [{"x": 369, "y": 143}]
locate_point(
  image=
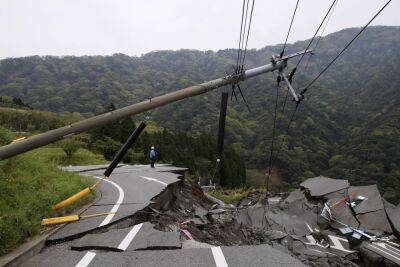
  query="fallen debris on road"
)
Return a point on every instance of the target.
[{"x": 325, "y": 222}]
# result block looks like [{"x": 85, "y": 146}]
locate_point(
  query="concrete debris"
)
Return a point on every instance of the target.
[
  {"x": 275, "y": 235},
  {"x": 326, "y": 222},
  {"x": 375, "y": 222},
  {"x": 373, "y": 200},
  {"x": 320, "y": 186},
  {"x": 393, "y": 214}
]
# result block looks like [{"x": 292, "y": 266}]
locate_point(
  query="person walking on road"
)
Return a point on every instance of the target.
[{"x": 153, "y": 157}]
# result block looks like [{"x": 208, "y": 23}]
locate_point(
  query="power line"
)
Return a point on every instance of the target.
[
  {"x": 344, "y": 49},
  {"x": 240, "y": 36},
  {"x": 248, "y": 32},
  {"x": 290, "y": 27},
  {"x": 320, "y": 37},
  {"x": 316, "y": 32}
]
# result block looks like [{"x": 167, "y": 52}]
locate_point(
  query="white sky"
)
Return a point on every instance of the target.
[{"x": 134, "y": 27}]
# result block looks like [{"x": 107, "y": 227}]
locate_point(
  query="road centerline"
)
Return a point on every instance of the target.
[
  {"x": 129, "y": 237},
  {"x": 89, "y": 256},
  {"x": 86, "y": 259},
  {"x": 219, "y": 257},
  {"x": 154, "y": 180}
]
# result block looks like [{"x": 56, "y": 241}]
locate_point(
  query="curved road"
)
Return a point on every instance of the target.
[{"x": 129, "y": 190}]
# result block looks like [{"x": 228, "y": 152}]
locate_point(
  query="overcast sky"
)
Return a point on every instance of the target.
[{"x": 134, "y": 27}]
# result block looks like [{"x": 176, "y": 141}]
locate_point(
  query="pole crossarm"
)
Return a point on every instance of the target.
[{"x": 52, "y": 136}]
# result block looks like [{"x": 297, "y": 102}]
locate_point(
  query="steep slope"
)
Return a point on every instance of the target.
[{"x": 347, "y": 127}]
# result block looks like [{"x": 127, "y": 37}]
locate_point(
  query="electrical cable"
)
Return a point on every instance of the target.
[
  {"x": 240, "y": 37},
  {"x": 248, "y": 33},
  {"x": 290, "y": 27},
  {"x": 316, "y": 32},
  {"x": 320, "y": 36},
  {"x": 344, "y": 49},
  {"x": 244, "y": 33}
]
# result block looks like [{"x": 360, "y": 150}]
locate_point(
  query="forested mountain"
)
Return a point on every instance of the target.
[{"x": 348, "y": 126}]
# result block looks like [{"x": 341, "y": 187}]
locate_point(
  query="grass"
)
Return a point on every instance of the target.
[
  {"x": 30, "y": 184},
  {"x": 56, "y": 155},
  {"x": 255, "y": 178},
  {"x": 233, "y": 196}
]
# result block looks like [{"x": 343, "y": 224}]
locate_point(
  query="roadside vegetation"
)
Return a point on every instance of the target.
[
  {"x": 29, "y": 185},
  {"x": 234, "y": 196}
]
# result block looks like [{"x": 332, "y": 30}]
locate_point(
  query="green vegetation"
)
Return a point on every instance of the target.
[
  {"x": 348, "y": 126},
  {"x": 234, "y": 196},
  {"x": 70, "y": 147},
  {"x": 57, "y": 156},
  {"x": 29, "y": 185}
]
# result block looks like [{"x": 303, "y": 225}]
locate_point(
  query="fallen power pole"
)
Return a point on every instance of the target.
[{"x": 46, "y": 138}]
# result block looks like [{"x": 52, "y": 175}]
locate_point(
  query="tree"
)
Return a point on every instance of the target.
[{"x": 70, "y": 147}]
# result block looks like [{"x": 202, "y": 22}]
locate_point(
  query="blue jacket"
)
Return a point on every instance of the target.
[{"x": 153, "y": 153}]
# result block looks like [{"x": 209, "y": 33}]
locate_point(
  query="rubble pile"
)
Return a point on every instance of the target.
[
  {"x": 325, "y": 222},
  {"x": 328, "y": 222}
]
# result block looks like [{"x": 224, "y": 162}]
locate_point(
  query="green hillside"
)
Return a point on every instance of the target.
[{"x": 348, "y": 127}]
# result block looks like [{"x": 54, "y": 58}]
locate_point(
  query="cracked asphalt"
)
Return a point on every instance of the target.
[{"x": 130, "y": 189}]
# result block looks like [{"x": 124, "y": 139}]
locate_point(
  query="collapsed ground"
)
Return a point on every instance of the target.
[{"x": 184, "y": 217}]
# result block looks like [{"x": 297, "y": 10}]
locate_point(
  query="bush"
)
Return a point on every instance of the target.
[
  {"x": 70, "y": 147},
  {"x": 5, "y": 136}
]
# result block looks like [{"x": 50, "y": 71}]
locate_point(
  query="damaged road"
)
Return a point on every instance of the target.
[
  {"x": 328, "y": 222},
  {"x": 160, "y": 220},
  {"x": 163, "y": 220}
]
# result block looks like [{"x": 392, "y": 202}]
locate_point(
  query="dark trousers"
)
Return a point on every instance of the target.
[{"x": 152, "y": 161}]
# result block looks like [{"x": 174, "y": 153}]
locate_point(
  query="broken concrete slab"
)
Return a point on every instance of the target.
[
  {"x": 320, "y": 186},
  {"x": 375, "y": 221},
  {"x": 146, "y": 239},
  {"x": 275, "y": 234},
  {"x": 291, "y": 224},
  {"x": 253, "y": 216},
  {"x": 393, "y": 214},
  {"x": 373, "y": 201},
  {"x": 344, "y": 215},
  {"x": 295, "y": 196}
]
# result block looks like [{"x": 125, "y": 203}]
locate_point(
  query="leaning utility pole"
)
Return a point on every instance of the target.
[
  {"x": 46, "y": 138},
  {"x": 221, "y": 135}
]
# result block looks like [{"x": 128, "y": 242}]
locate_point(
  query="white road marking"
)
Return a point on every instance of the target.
[
  {"x": 219, "y": 257},
  {"x": 86, "y": 259},
  {"x": 154, "y": 180},
  {"x": 114, "y": 209},
  {"x": 129, "y": 237},
  {"x": 89, "y": 256}
]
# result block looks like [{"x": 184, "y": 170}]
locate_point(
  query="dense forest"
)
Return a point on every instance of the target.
[{"x": 347, "y": 127}]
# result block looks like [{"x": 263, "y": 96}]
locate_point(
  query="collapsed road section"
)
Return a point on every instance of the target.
[{"x": 163, "y": 220}]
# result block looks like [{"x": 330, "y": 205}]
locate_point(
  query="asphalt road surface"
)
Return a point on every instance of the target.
[{"x": 127, "y": 191}]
